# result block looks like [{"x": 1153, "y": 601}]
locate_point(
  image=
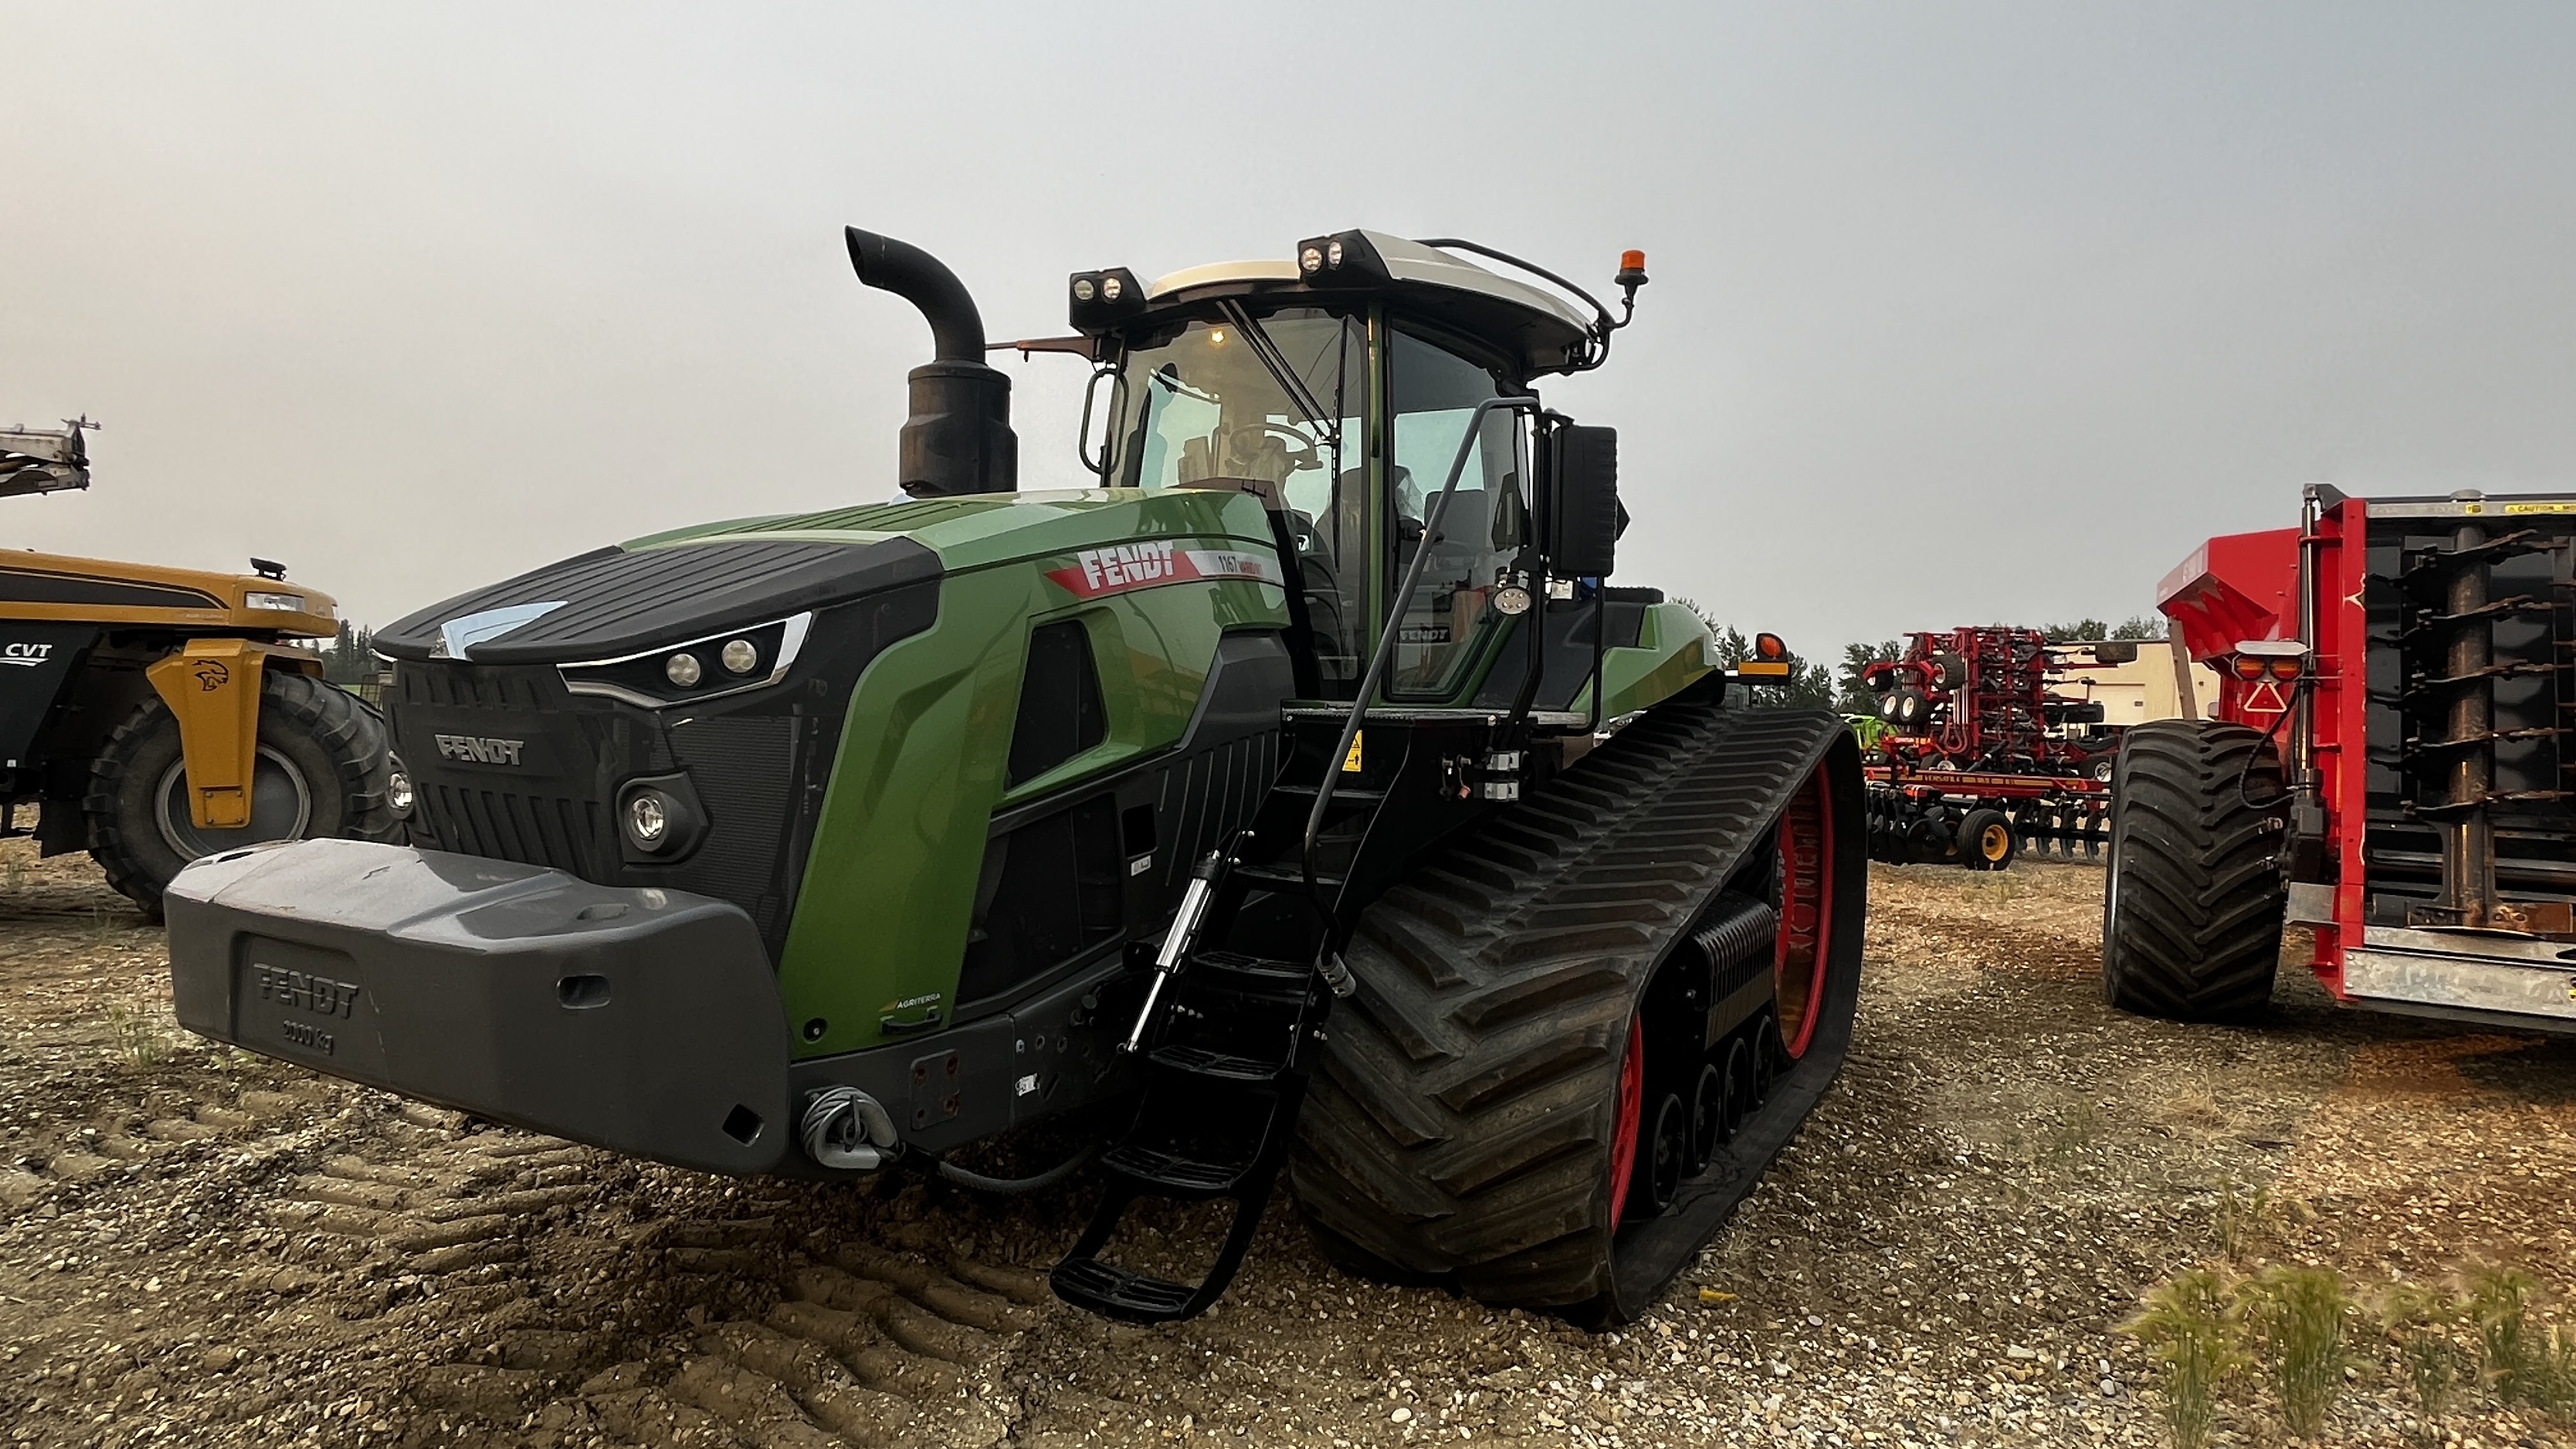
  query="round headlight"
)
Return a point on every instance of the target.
[
  {"x": 398, "y": 790},
  {"x": 1110, "y": 287},
  {"x": 739, "y": 656},
  {"x": 1082, "y": 289},
  {"x": 1311, "y": 259},
  {"x": 648, "y": 819},
  {"x": 1333, "y": 253},
  {"x": 682, "y": 670}
]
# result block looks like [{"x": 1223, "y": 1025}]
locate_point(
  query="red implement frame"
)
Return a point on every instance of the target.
[{"x": 2245, "y": 586}]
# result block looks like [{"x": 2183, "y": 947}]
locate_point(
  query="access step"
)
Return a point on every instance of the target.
[{"x": 1121, "y": 1293}]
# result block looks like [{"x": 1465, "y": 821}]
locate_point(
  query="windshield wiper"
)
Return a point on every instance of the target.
[{"x": 1280, "y": 372}]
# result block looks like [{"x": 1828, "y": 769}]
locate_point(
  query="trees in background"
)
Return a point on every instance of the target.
[{"x": 350, "y": 657}]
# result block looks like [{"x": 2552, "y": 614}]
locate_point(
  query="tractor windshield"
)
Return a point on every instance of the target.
[{"x": 1278, "y": 407}]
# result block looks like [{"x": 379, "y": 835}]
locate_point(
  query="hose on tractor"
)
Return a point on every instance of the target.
[
  {"x": 1014, "y": 1186},
  {"x": 845, "y": 1128}
]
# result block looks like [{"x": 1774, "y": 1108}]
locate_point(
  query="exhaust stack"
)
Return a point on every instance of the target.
[{"x": 958, "y": 438}]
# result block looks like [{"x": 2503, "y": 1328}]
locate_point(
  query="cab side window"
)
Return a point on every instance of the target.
[{"x": 1432, "y": 394}]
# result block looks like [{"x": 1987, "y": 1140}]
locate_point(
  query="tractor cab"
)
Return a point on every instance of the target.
[{"x": 1344, "y": 387}]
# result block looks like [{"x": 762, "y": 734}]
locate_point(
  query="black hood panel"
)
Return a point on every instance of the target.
[{"x": 616, "y": 603}]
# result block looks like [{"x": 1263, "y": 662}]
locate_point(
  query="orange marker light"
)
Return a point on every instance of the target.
[
  {"x": 1768, "y": 646},
  {"x": 2287, "y": 666},
  {"x": 2247, "y": 666},
  {"x": 1632, "y": 261}
]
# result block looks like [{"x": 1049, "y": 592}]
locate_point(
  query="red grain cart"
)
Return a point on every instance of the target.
[
  {"x": 2389, "y": 766},
  {"x": 1983, "y": 754}
]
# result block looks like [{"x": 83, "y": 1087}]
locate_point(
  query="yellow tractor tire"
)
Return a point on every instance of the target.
[{"x": 320, "y": 770}]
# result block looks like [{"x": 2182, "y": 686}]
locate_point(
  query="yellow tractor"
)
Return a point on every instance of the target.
[{"x": 158, "y": 715}]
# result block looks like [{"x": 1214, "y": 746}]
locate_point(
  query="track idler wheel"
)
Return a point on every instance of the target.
[{"x": 1709, "y": 1124}]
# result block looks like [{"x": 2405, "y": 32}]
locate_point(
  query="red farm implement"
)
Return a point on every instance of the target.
[
  {"x": 2388, "y": 767},
  {"x": 1985, "y": 752}
]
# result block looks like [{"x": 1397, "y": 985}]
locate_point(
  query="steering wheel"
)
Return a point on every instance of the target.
[{"x": 1301, "y": 449}]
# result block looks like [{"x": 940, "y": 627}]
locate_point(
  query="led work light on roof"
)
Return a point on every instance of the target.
[
  {"x": 1103, "y": 299},
  {"x": 683, "y": 670},
  {"x": 739, "y": 656},
  {"x": 1344, "y": 259}
]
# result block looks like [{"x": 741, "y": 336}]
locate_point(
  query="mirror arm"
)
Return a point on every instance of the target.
[{"x": 1111, "y": 369}]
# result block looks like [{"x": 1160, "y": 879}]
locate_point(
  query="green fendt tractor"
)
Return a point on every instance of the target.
[{"x": 829, "y": 844}]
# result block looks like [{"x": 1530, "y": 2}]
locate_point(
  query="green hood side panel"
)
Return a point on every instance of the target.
[
  {"x": 882, "y": 916},
  {"x": 1673, "y": 648}
]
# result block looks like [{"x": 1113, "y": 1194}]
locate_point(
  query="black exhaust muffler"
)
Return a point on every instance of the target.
[{"x": 958, "y": 438}]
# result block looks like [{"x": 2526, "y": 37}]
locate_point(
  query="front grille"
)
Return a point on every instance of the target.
[
  {"x": 544, "y": 830},
  {"x": 745, "y": 768}
]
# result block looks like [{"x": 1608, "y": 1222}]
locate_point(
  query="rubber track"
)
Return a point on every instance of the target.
[
  {"x": 1460, "y": 1126},
  {"x": 2191, "y": 923}
]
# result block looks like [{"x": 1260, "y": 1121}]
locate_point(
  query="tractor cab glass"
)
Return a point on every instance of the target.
[
  {"x": 1203, "y": 407},
  {"x": 1279, "y": 407},
  {"x": 1432, "y": 396}
]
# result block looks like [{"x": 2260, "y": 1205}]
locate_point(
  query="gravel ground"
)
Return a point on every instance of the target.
[{"x": 203, "y": 1247}]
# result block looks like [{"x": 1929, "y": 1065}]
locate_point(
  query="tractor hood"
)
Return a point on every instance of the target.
[
  {"x": 619, "y": 601},
  {"x": 99, "y": 591}
]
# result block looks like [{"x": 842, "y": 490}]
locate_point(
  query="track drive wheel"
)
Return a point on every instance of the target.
[
  {"x": 320, "y": 771},
  {"x": 1987, "y": 841},
  {"x": 2192, "y": 909},
  {"x": 1504, "y": 1106}
]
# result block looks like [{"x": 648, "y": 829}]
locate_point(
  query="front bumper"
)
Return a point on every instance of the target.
[{"x": 642, "y": 1020}]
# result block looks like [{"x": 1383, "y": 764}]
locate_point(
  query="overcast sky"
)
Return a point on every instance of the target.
[{"x": 1960, "y": 312}]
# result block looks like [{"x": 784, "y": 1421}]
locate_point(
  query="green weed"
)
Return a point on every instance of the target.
[
  {"x": 2194, "y": 1339},
  {"x": 2423, "y": 1323},
  {"x": 137, "y": 1035},
  {"x": 2500, "y": 1302},
  {"x": 2298, "y": 1316},
  {"x": 2242, "y": 1220},
  {"x": 2076, "y": 1129}
]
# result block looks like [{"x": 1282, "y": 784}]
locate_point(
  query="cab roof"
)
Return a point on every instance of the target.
[{"x": 1545, "y": 331}]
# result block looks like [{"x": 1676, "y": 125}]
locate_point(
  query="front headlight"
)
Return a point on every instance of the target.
[
  {"x": 398, "y": 788},
  {"x": 648, "y": 819},
  {"x": 283, "y": 603},
  {"x": 692, "y": 670}
]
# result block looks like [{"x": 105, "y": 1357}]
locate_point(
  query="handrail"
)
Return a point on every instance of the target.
[{"x": 1438, "y": 511}]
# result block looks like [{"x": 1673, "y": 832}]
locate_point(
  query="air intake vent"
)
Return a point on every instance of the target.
[{"x": 1060, "y": 710}]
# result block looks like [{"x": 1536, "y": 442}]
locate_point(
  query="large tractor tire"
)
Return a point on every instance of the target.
[
  {"x": 1516, "y": 1101},
  {"x": 320, "y": 771},
  {"x": 2192, "y": 908}
]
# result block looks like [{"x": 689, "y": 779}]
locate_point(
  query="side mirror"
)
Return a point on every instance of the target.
[
  {"x": 2116, "y": 651},
  {"x": 1584, "y": 516}
]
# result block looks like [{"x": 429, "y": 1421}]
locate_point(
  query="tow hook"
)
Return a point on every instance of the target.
[{"x": 845, "y": 1128}]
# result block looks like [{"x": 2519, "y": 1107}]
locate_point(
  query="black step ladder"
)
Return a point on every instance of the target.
[{"x": 1225, "y": 1074}]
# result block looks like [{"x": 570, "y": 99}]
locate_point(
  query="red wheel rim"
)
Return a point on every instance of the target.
[
  {"x": 1632, "y": 1105},
  {"x": 1806, "y": 911}
]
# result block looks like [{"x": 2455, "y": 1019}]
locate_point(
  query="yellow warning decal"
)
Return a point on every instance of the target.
[
  {"x": 2540, "y": 508},
  {"x": 1351, "y": 761}
]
